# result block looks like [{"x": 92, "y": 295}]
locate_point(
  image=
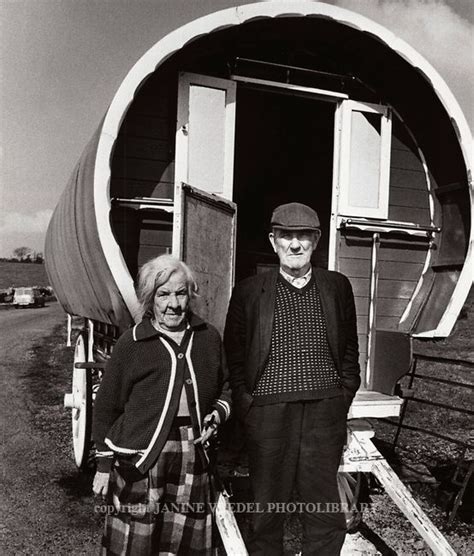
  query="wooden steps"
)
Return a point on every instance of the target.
[{"x": 369, "y": 404}]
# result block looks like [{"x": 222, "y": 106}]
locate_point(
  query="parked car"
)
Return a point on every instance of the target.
[{"x": 28, "y": 297}]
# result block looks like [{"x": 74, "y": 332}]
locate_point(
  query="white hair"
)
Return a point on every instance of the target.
[{"x": 156, "y": 272}]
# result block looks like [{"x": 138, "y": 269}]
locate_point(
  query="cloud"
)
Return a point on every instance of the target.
[
  {"x": 437, "y": 32},
  {"x": 19, "y": 229},
  {"x": 16, "y": 222}
]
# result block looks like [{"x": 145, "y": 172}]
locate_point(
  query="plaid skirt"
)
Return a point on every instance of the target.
[{"x": 166, "y": 511}]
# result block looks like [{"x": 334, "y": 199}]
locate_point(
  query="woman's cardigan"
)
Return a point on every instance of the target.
[{"x": 139, "y": 394}]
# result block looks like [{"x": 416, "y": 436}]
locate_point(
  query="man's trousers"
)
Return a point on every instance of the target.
[{"x": 296, "y": 448}]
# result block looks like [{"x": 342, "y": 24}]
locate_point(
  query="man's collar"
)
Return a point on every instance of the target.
[
  {"x": 291, "y": 279},
  {"x": 145, "y": 329}
]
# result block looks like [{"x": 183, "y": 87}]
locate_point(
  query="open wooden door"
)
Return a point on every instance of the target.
[
  {"x": 205, "y": 133},
  {"x": 204, "y": 221},
  {"x": 207, "y": 226},
  {"x": 364, "y": 165}
]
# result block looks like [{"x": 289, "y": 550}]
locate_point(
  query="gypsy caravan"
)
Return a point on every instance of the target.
[{"x": 250, "y": 107}]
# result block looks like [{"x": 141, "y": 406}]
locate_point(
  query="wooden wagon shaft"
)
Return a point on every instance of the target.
[
  {"x": 228, "y": 528},
  {"x": 403, "y": 498},
  {"x": 362, "y": 456}
]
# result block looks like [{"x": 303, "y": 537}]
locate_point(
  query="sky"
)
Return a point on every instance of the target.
[{"x": 61, "y": 62}]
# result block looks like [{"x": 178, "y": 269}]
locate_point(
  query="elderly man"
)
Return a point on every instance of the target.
[{"x": 291, "y": 345}]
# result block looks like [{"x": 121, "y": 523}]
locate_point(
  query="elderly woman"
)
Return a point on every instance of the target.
[{"x": 163, "y": 394}]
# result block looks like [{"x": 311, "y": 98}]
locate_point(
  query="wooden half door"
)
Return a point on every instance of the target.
[
  {"x": 364, "y": 165},
  {"x": 205, "y": 225},
  {"x": 360, "y": 211},
  {"x": 205, "y": 133}
]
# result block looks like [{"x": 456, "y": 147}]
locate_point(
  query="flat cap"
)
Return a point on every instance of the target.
[{"x": 295, "y": 216}]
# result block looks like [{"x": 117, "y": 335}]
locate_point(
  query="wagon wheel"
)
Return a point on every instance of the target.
[
  {"x": 349, "y": 485},
  {"x": 80, "y": 401}
]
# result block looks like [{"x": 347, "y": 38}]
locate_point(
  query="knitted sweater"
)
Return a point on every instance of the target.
[
  {"x": 249, "y": 324},
  {"x": 140, "y": 390},
  {"x": 300, "y": 365}
]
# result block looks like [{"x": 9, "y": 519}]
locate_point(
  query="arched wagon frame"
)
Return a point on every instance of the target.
[{"x": 253, "y": 106}]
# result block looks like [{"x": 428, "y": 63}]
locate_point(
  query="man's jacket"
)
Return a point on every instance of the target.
[{"x": 249, "y": 327}]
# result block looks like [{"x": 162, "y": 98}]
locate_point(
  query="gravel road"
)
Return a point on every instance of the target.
[{"x": 46, "y": 506}]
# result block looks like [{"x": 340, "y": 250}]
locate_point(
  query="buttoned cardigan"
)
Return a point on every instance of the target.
[{"x": 139, "y": 394}]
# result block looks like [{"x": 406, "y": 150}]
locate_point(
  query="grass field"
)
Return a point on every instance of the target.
[{"x": 22, "y": 274}]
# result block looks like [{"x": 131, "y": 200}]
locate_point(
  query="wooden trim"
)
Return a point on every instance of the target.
[
  {"x": 322, "y": 94},
  {"x": 178, "y": 212},
  {"x": 387, "y": 227},
  {"x": 344, "y": 207},
  {"x": 145, "y": 203},
  {"x": 210, "y": 198},
  {"x": 336, "y": 169},
  {"x": 403, "y": 498},
  {"x": 368, "y": 404},
  {"x": 291, "y": 68},
  {"x": 69, "y": 330},
  {"x": 90, "y": 340},
  {"x": 186, "y": 80},
  {"x": 362, "y": 455},
  {"x": 374, "y": 280}
]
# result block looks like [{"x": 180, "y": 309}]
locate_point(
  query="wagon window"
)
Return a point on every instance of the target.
[
  {"x": 206, "y": 137},
  {"x": 205, "y": 133},
  {"x": 364, "y": 160}
]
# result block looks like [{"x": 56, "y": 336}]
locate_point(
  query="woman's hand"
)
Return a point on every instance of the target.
[
  {"x": 100, "y": 486},
  {"x": 209, "y": 427}
]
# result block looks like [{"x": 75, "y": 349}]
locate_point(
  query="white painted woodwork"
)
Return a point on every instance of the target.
[
  {"x": 371, "y": 328},
  {"x": 336, "y": 170},
  {"x": 80, "y": 403},
  {"x": 69, "y": 330},
  {"x": 403, "y": 498},
  {"x": 227, "y": 525},
  {"x": 320, "y": 94},
  {"x": 90, "y": 340},
  {"x": 205, "y": 133},
  {"x": 362, "y": 456},
  {"x": 364, "y": 160},
  {"x": 387, "y": 226},
  {"x": 370, "y": 404}
]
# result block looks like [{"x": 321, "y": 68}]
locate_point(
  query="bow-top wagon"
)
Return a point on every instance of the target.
[{"x": 250, "y": 107}]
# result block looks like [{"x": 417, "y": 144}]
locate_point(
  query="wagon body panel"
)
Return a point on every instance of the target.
[
  {"x": 75, "y": 260},
  {"x": 132, "y": 156}
]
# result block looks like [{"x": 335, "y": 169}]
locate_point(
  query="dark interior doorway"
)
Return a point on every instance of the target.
[{"x": 283, "y": 153}]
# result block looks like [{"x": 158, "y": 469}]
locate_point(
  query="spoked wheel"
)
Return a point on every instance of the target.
[
  {"x": 80, "y": 401},
  {"x": 350, "y": 486}
]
